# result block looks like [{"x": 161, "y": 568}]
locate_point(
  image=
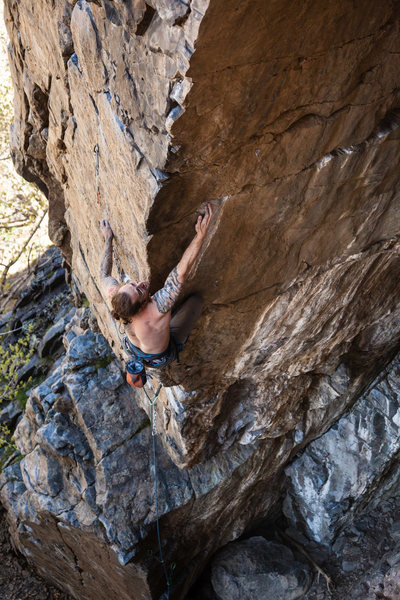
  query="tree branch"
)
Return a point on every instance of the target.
[{"x": 16, "y": 259}]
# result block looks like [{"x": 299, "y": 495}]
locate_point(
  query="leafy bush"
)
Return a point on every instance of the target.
[
  {"x": 7, "y": 445},
  {"x": 12, "y": 358}
]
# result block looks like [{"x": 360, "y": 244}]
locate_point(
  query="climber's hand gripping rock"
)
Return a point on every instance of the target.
[
  {"x": 106, "y": 229},
  {"x": 204, "y": 221}
]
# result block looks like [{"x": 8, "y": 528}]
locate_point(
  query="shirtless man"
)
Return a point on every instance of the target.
[{"x": 152, "y": 332}]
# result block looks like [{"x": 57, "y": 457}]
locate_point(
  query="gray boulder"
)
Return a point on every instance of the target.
[{"x": 256, "y": 569}]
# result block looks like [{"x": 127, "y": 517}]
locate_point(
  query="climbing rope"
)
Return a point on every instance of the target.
[
  {"x": 152, "y": 402},
  {"x": 12, "y": 330}
]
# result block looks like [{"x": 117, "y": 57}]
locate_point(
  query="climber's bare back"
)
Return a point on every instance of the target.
[{"x": 149, "y": 328}]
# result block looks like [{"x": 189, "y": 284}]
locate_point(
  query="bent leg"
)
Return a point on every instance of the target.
[{"x": 184, "y": 319}]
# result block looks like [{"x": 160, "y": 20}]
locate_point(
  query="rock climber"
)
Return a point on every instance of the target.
[{"x": 154, "y": 335}]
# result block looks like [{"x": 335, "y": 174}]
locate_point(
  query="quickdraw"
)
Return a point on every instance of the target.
[{"x": 96, "y": 154}]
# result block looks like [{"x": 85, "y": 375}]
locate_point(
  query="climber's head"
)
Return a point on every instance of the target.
[{"x": 129, "y": 298}]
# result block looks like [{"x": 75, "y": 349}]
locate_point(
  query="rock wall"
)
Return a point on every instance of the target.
[
  {"x": 290, "y": 125},
  {"x": 355, "y": 464},
  {"x": 289, "y": 122},
  {"x": 81, "y": 501}
]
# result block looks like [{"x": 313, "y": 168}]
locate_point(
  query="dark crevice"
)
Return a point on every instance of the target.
[
  {"x": 180, "y": 21},
  {"x": 134, "y": 145},
  {"x": 39, "y": 104},
  {"x": 67, "y": 56},
  {"x": 144, "y": 24},
  {"x": 389, "y": 123},
  {"x": 171, "y": 104},
  {"x": 94, "y": 104},
  {"x": 77, "y": 569},
  {"x": 132, "y": 82},
  {"x": 61, "y": 147},
  {"x": 112, "y": 13}
]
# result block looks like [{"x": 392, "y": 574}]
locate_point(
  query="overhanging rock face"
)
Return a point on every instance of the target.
[
  {"x": 290, "y": 125},
  {"x": 287, "y": 118}
]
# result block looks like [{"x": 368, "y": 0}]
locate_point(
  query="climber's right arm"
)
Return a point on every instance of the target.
[{"x": 108, "y": 283}]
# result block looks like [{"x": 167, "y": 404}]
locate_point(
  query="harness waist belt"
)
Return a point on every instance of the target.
[{"x": 155, "y": 361}]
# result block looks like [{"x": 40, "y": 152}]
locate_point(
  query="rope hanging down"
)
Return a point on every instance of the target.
[
  {"x": 151, "y": 402},
  {"x": 153, "y": 434}
]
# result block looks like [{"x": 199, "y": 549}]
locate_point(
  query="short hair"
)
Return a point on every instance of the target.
[{"x": 124, "y": 307}]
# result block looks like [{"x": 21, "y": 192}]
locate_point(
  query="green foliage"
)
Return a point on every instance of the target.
[
  {"x": 12, "y": 358},
  {"x": 7, "y": 445},
  {"x": 25, "y": 387},
  {"x": 102, "y": 363}
]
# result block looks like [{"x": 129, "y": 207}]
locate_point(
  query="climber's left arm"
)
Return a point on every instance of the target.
[
  {"x": 168, "y": 295},
  {"x": 107, "y": 281}
]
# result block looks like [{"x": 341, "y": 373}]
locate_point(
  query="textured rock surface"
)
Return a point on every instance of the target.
[
  {"x": 45, "y": 299},
  {"x": 354, "y": 463},
  {"x": 81, "y": 502},
  {"x": 256, "y": 568},
  {"x": 364, "y": 560},
  {"x": 361, "y": 562},
  {"x": 296, "y": 139},
  {"x": 288, "y": 121},
  {"x": 17, "y": 577}
]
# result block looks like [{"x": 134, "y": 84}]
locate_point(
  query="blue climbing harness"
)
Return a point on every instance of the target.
[
  {"x": 155, "y": 361},
  {"x": 136, "y": 368}
]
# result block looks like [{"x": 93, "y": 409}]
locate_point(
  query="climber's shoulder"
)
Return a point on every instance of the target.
[
  {"x": 153, "y": 309},
  {"x": 109, "y": 285}
]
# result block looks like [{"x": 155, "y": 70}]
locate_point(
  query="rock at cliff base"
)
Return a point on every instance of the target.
[
  {"x": 353, "y": 464},
  {"x": 257, "y": 568}
]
